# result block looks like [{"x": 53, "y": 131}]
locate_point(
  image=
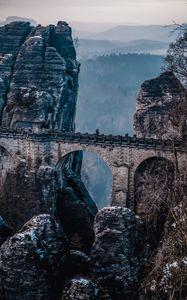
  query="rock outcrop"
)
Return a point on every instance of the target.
[
  {"x": 76, "y": 219},
  {"x": 161, "y": 108},
  {"x": 116, "y": 252},
  {"x": 76, "y": 211},
  {"x": 27, "y": 192},
  {"x": 38, "y": 76},
  {"x": 80, "y": 289},
  {"x": 32, "y": 260},
  {"x": 38, "y": 91}
]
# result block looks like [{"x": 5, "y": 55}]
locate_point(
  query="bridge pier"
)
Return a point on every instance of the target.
[{"x": 120, "y": 186}]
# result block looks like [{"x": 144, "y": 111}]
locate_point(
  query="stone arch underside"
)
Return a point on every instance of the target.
[{"x": 118, "y": 161}]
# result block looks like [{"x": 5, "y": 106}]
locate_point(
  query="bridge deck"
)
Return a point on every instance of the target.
[{"x": 91, "y": 139}]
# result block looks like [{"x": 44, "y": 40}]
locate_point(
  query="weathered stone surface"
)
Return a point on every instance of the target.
[
  {"x": 31, "y": 261},
  {"x": 116, "y": 252},
  {"x": 80, "y": 289},
  {"x": 5, "y": 231},
  {"x": 38, "y": 89},
  {"x": 75, "y": 182},
  {"x": 26, "y": 192},
  {"x": 38, "y": 76},
  {"x": 12, "y": 36},
  {"x": 161, "y": 108}
]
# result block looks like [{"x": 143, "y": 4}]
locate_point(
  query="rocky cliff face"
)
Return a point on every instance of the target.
[
  {"x": 161, "y": 108},
  {"x": 38, "y": 76},
  {"x": 38, "y": 90}
]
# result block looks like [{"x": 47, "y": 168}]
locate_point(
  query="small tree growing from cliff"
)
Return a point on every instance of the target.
[{"x": 176, "y": 58}]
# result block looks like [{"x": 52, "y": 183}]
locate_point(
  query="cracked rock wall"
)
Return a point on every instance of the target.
[
  {"x": 38, "y": 76},
  {"x": 161, "y": 108}
]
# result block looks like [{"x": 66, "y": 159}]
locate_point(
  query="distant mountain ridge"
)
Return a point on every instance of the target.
[
  {"x": 15, "y": 18},
  {"x": 92, "y": 48},
  {"x": 129, "y": 33}
]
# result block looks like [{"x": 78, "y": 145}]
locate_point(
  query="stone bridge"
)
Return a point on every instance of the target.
[{"x": 123, "y": 154}]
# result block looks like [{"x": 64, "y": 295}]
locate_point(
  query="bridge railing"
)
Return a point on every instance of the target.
[{"x": 90, "y": 139}]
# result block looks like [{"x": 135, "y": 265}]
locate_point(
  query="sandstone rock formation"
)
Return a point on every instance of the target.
[
  {"x": 31, "y": 261},
  {"x": 38, "y": 76},
  {"x": 74, "y": 181},
  {"x": 161, "y": 108},
  {"x": 26, "y": 192},
  {"x": 38, "y": 91},
  {"x": 116, "y": 252}
]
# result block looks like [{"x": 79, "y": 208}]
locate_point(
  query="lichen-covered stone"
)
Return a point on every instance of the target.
[
  {"x": 31, "y": 261},
  {"x": 116, "y": 252},
  {"x": 161, "y": 108},
  {"x": 80, "y": 289}
]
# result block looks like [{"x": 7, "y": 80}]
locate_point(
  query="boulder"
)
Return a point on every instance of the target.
[
  {"x": 116, "y": 252},
  {"x": 31, "y": 261}
]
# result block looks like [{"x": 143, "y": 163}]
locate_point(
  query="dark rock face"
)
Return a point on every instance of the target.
[
  {"x": 77, "y": 262},
  {"x": 12, "y": 36},
  {"x": 161, "y": 108},
  {"x": 26, "y": 193},
  {"x": 5, "y": 231},
  {"x": 76, "y": 211},
  {"x": 37, "y": 263},
  {"x": 76, "y": 219},
  {"x": 38, "y": 90},
  {"x": 31, "y": 261},
  {"x": 75, "y": 182},
  {"x": 38, "y": 76},
  {"x": 116, "y": 252},
  {"x": 80, "y": 289}
]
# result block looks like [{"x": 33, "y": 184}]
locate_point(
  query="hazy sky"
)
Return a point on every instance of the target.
[{"x": 116, "y": 11}]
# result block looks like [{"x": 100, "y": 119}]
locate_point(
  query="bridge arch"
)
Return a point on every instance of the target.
[
  {"x": 94, "y": 171},
  {"x": 117, "y": 160},
  {"x": 152, "y": 175},
  {"x": 153, "y": 182}
]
